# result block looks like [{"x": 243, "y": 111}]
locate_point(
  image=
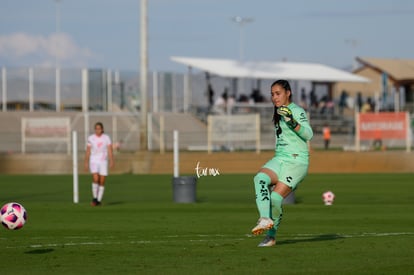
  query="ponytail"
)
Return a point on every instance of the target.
[{"x": 276, "y": 121}]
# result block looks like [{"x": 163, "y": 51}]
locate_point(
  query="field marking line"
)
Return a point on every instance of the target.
[
  {"x": 362, "y": 234},
  {"x": 198, "y": 235},
  {"x": 64, "y": 244},
  {"x": 203, "y": 238}
]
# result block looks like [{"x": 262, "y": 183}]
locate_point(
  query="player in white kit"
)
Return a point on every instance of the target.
[{"x": 98, "y": 153}]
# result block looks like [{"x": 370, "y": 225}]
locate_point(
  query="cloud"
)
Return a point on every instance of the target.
[{"x": 28, "y": 49}]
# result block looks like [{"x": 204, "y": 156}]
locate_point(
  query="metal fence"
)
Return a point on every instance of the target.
[
  {"x": 47, "y": 89},
  {"x": 123, "y": 128},
  {"x": 113, "y": 97},
  {"x": 65, "y": 89}
]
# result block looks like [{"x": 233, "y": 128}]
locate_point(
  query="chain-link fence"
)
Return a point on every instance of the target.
[
  {"x": 23, "y": 132},
  {"x": 86, "y": 96},
  {"x": 65, "y": 89}
]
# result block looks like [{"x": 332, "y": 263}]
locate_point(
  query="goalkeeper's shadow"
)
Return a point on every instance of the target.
[{"x": 320, "y": 238}]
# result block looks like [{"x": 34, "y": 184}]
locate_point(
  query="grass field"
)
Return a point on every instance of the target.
[{"x": 139, "y": 230}]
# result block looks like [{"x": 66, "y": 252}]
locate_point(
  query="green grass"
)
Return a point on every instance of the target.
[{"x": 139, "y": 230}]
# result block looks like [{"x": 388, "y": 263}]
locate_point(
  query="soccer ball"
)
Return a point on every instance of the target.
[
  {"x": 13, "y": 215},
  {"x": 328, "y": 197}
]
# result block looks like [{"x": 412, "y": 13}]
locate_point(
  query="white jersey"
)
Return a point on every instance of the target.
[{"x": 99, "y": 147}]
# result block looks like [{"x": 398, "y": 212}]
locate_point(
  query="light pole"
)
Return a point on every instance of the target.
[
  {"x": 143, "y": 72},
  {"x": 241, "y": 21},
  {"x": 57, "y": 69},
  {"x": 354, "y": 44}
]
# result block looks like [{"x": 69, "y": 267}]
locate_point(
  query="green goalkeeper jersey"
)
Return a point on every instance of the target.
[{"x": 291, "y": 144}]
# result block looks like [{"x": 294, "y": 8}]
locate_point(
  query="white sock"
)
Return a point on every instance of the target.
[
  {"x": 101, "y": 192},
  {"x": 95, "y": 187}
]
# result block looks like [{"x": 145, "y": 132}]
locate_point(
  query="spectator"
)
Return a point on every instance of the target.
[
  {"x": 330, "y": 105},
  {"x": 257, "y": 96},
  {"x": 371, "y": 103},
  {"x": 313, "y": 99},
  {"x": 210, "y": 92},
  {"x": 243, "y": 98},
  {"x": 366, "y": 107},
  {"x": 359, "y": 101},
  {"x": 323, "y": 104},
  {"x": 326, "y": 135},
  {"x": 230, "y": 103},
  {"x": 343, "y": 101},
  {"x": 303, "y": 99},
  {"x": 221, "y": 102},
  {"x": 210, "y": 95}
]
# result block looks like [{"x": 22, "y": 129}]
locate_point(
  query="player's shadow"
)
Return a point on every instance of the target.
[
  {"x": 320, "y": 238},
  {"x": 115, "y": 203},
  {"x": 40, "y": 251}
]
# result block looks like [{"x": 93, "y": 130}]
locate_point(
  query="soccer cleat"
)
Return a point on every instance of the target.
[
  {"x": 94, "y": 202},
  {"x": 98, "y": 203},
  {"x": 267, "y": 241},
  {"x": 262, "y": 225}
]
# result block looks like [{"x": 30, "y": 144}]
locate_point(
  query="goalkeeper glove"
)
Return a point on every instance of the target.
[{"x": 287, "y": 115}]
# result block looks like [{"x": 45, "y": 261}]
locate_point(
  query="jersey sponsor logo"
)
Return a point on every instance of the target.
[
  {"x": 289, "y": 179},
  {"x": 264, "y": 191},
  {"x": 302, "y": 117}
]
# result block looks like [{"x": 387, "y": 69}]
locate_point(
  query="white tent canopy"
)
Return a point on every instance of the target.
[{"x": 270, "y": 70}]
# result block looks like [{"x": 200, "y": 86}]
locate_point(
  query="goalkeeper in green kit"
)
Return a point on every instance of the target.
[{"x": 283, "y": 173}]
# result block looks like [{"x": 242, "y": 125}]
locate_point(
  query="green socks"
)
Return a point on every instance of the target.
[
  {"x": 277, "y": 212},
  {"x": 268, "y": 203},
  {"x": 261, "y": 186}
]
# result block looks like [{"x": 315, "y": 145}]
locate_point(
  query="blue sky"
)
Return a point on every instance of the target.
[{"x": 105, "y": 33}]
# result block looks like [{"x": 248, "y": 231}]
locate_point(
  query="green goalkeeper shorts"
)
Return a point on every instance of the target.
[{"x": 289, "y": 171}]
